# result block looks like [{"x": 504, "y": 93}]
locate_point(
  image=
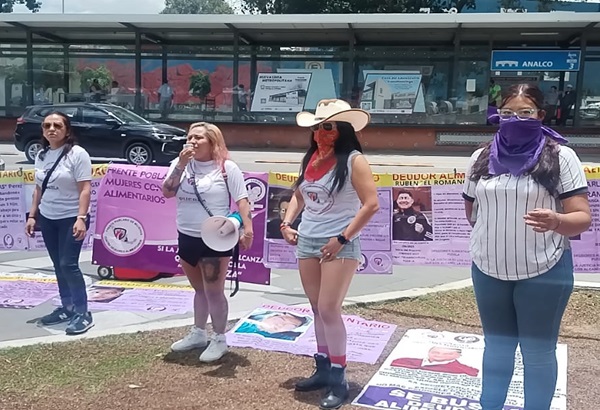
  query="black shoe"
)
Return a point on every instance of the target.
[
  {"x": 59, "y": 315},
  {"x": 338, "y": 389},
  {"x": 319, "y": 378},
  {"x": 80, "y": 323}
]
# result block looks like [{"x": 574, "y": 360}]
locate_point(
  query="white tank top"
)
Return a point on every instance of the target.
[{"x": 326, "y": 214}]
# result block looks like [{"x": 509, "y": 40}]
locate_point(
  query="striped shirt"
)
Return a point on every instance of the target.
[{"x": 502, "y": 246}]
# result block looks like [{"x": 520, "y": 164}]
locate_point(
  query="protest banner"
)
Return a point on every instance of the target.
[
  {"x": 375, "y": 238},
  {"x": 139, "y": 297},
  {"x": 36, "y": 242},
  {"x": 291, "y": 329},
  {"x": 25, "y": 292},
  {"x": 12, "y": 215},
  {"x": 136, "y": 224},
  {"x": 428, "y": 369}
]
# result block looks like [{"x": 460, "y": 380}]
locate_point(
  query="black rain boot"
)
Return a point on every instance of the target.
[
  {"x": 319, "y": 378},
  {"x": 338, "y": 389}
]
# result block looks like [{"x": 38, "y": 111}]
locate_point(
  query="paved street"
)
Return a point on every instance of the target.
[{"x": 19, "y": 326}]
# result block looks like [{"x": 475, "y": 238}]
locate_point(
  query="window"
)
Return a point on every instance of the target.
[
  {"x": 70, "y": 112},
  {"x": 92, "y": 116}
]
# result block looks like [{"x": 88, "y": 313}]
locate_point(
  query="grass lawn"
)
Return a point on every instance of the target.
[{"x": 139, "y": 372}]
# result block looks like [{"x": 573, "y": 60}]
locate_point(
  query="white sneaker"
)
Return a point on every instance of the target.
[
  {"x": 215, "y": 350},
  {"x": 193, "y": 340}
]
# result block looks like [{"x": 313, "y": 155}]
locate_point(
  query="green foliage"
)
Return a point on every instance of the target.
[
  {"x": 197, "y": 7},
  {"x": 200, "y": 85},
  {"x": 6, "y": 6},
  {"x": 101, "y": 74}
]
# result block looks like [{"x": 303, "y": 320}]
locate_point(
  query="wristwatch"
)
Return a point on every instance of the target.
[{"x": 342, "y": 239}]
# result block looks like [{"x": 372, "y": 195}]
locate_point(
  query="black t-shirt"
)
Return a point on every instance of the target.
[{"x": 405, "y": 226}]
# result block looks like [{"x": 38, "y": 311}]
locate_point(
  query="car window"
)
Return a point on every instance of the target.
[
  {"x": 70, "y": 112},
  {"x": 91, "y": 116}
]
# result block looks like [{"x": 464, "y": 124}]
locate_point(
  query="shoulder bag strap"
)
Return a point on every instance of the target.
[
  {"x": 235, "y": 259},
  {"x": 202, "y": 201},
  {"x": 49, "y": 173}
]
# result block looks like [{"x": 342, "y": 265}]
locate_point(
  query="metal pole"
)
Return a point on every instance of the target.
[{"x": 63, "y": 6}]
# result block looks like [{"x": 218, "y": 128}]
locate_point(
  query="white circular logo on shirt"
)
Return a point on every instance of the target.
[
  {"x": 411, "y": 219},
  {"x": 256, "y": 190},
  {"x": 123, "y": 236},
  {"x": 318, "y": 200}
]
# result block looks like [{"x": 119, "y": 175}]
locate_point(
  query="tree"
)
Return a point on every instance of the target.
[
  {"x": 196, "y": 7},
  {"x": 88, "y": 75},
  {"x": 6, "y": 6},
  {"x": 200, "y": 85}
]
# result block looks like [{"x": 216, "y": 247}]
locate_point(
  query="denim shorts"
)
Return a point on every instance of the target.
[{"x": 311, "y": 248}]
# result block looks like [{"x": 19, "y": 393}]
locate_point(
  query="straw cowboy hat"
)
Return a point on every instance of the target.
[{"x": 334, "y": 110}]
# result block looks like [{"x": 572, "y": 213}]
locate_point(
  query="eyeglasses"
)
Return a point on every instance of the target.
[
  {"x": 523, "y": 114},
  {"x": 327, "y": 126},
  {"x": 57, "y": 125}
]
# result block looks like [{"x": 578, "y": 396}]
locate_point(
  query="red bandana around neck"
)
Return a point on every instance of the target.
[{"x": 323, "y": 159}]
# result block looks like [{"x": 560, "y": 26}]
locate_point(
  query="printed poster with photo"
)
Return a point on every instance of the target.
[
  {"x": 375, "y": 238},
  {"x": 12, "y": 217},
  {"x": 429, "y": 369},
  {"x": 280, "y": 92},
  {"x": 429, "y": 226},
  {"x": 392, "y": 93},
  {"x": 290, "y": 329}
]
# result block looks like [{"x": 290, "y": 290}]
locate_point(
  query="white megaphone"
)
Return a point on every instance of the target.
[{"x": 222, "y": 233}]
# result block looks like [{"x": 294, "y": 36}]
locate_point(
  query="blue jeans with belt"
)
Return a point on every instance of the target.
[
  {"x": 64, "y": 250},
  {"x": 525, "y": 312}
]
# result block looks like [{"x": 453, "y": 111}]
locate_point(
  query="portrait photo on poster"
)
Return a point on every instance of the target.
[
  {"x": 279, "y": 201},
  {"x": 412, "y": 217},
  {"x": 100, "y": 294},
  {"x": 273, "y": 324},
  {"x": 441, "y": 359}
]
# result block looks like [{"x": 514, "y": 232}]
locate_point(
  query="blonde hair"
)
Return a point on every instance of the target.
[{"x": 214, "y": 135}]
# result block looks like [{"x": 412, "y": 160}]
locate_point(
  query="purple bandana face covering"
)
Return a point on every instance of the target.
[{"x": 518, "y": 144}]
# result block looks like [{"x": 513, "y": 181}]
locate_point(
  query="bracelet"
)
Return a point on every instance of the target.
[
  {"x": 284, "y": 225},
  {"x": 249, "y": 235},
  {"x": 84, "y": 217},
  {"x": 31, "y": 217}
]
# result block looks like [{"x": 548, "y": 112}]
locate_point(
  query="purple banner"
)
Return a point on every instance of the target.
[
  {"x": 291, "y": 329},
  {"x": 375, "y": 238},
  {"x": 135, "y": 223},
  {"x": 24, "y": 293},
  {"x": 395, "y": 398},
  {"x": 12, "y": 217}
]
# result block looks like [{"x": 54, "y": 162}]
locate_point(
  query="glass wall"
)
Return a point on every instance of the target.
[
  {"x": 425, "y": 85},
  {"x": 13, "y": 79}
]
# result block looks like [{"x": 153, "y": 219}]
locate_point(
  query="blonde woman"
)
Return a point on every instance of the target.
[{"x": 204, "y": 172}]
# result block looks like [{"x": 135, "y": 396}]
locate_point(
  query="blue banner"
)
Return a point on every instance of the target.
[{"x": 535, "y": 60}]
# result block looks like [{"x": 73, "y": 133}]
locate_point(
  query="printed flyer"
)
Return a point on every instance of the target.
[
  {"x": 390, "y": 93},
  {"x": 280, "y": 92},
  {"x": 428, "y": 369},
  {"x": 291, "y": 329},
  {"x": 12, "y": 217}
]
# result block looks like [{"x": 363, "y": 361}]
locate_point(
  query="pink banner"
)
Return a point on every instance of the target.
[{"x": 135, "y": 223}]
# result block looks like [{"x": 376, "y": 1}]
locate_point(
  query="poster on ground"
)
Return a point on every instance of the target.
[
  {"x": 139, "y": 297},
  {"x": 280, "y": 92},
  {"x": 429, "y": 369},
  {"x": 290, "y": 329},
  {"x": 25, "y": 292},
  {"x": 392, "y": 93}
]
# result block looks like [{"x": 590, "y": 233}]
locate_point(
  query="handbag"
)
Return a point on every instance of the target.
[
  {"x": 45, "y": 186},
  {"x": 235, "y": 259}
]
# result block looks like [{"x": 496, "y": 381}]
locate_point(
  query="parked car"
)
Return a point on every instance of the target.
[{"x": 104, "y": 130}]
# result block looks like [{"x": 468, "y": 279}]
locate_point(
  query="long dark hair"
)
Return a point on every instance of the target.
[
  {"x": 70, "y": 136},
  {"x": 547, "y": 171},
  {"x": 343, "y": 146}
]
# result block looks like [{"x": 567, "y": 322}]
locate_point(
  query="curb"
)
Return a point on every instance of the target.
[{"x": 169, "y": 324}]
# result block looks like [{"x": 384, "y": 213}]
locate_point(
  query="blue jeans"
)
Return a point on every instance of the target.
[
  {"x": 64, "y": 251},
  {"x": 526, "y": 312}
]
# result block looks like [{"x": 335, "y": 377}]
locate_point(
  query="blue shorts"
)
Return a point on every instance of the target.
[{"x": 311, "y": 248}]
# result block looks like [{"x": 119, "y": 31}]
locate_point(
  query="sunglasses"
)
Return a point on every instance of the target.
[
  {"x": 57, "y": 125},
  {"x": 327, "y": 126}
]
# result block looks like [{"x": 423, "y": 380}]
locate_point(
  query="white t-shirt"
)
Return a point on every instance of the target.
[
  {"x": 502, "y": 245},
  {"x": 327, "y": 214},
  {"x": 211, "y": 187},
  {"x": 61, "y": 198}
]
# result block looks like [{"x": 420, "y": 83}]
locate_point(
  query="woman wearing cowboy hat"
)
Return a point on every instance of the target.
[{"x": 336, "y": 190}]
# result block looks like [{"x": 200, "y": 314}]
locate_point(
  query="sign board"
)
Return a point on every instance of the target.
[
  {"x": 280, "y": 92},
  {"x": 535, "y": 60},
  {"x": 391, "y": 93}
]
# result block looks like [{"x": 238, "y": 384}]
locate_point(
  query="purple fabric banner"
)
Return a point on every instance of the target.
[{"x": 135, "y": 223}]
